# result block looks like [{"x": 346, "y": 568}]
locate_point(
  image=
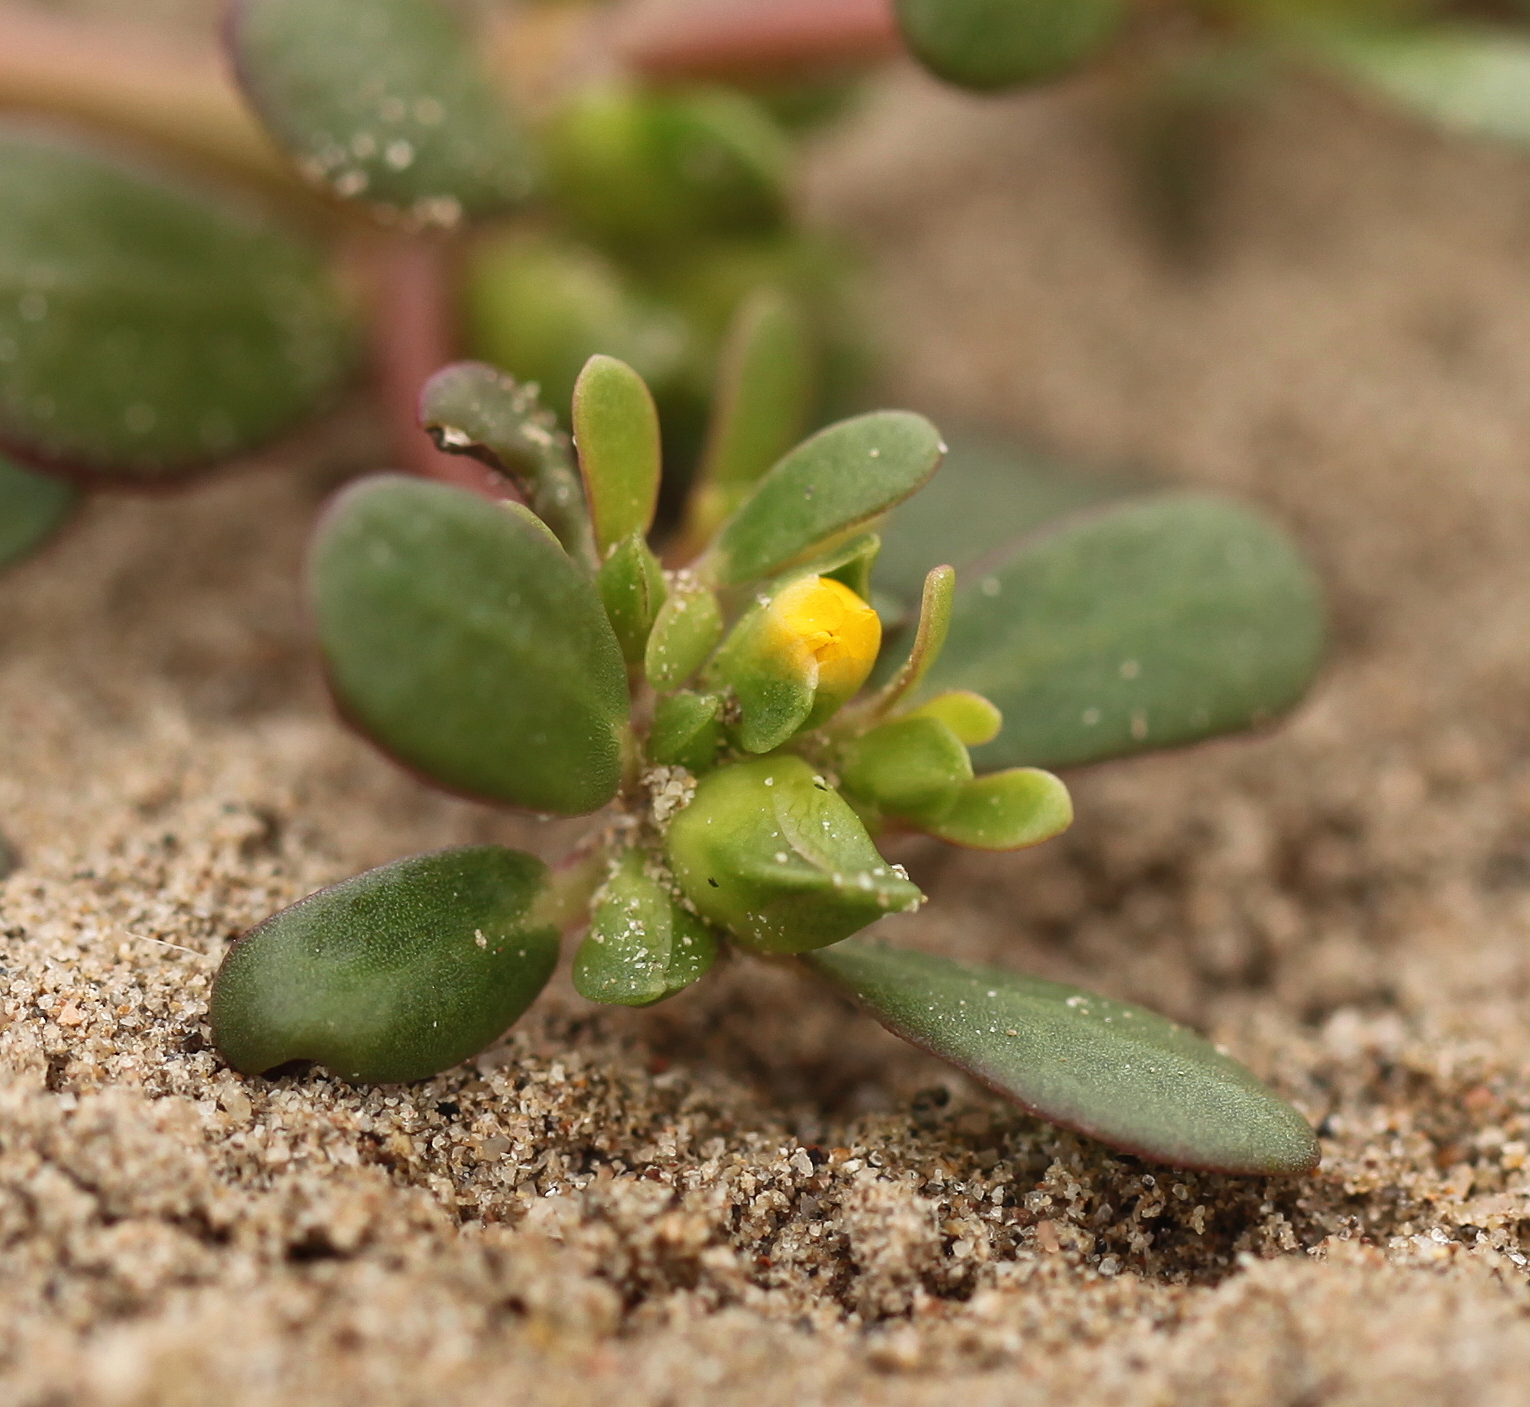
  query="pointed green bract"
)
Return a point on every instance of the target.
[
  {"x": 1119, "y": 1073},
  {"x": 686, "y": 631},
  {"x": 148, "y": 326},
  {"x": 394, "y": 975},
  {"x": 631, "y": 587},
  {"x": 1474, "y": 80},
  {"x": 687, "y": 731},
  {"x": 31, "y": 507},
  {"x": 829, "y": 485},
  {"x": 988, "y": 44},
  {"x": 616, "y": 429},
  {"x": 475, "y": 409},
  {"x": 1143, "y": 625},
  {"x": 641, "y": 946},
  {"x": 772, "y": 854},
  {"x": 1008, "y": 810},
  {"x": 383, "y": 101},
  {"x": 466, "y": 643}
]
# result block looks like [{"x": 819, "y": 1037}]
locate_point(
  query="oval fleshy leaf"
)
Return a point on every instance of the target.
[
  {"x": 616, "y": 430},
  {"x": 834, "y": 481},
  {"x": 988, "y": 44},
  {"x": 1473, "y": 80},
  {"x": 687, "y": 731},
  {"x": 462, "y": 639},
  {"x": 1119, "y": 1073},
  {"x": 1144, "y": 625},
  {"x": 31, "y": 507},
  {"x": 383, "y": 101},
  {"x": 685, "y": 632},
  {"x": 394, "y": 975},
  {"x": 1009, "y": 810},
  {"x": 147, "y": 326},
  {"x": 631, "y": 586}
]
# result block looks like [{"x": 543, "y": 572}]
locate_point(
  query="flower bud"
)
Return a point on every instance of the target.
[
  {"x": 793, "y": 662},
  {"x": 774, "y": 855}
]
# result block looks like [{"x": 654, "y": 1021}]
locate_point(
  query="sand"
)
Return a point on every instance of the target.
[{"x": 751, "y": 1193}]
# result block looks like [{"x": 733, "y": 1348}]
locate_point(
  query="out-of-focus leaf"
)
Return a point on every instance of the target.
[
  {"x": 1474, "y": 80},
  {"x": 987, "y": 493},
  {"x": 31, "y": 507},
  {"x": 383, "y": 101},
  {"x": 464, "y": 641},
  {"x": 394, "y": 975},
  {"x": 616, "y": 428},
  {"x": 829, "y": 485},
  {"x": 1146, "y": 624},
  {"x": 1120, "y": 1073},
  {"x": 147, "y": 326},
  {"x": 987, "y": 44}
]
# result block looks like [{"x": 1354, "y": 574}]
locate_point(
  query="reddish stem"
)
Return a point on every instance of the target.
[{"x": 754, "y": 38}]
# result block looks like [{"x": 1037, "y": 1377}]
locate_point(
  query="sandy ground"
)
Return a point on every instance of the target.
[{"x": 751, "y": 1193}]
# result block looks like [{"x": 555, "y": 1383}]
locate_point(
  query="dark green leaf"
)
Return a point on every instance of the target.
[
  {"x": 631, "y": 586},
  {"x": 772, "y": 854},
  {"x": 383, "y": 101},
  {"x": 31, "y": 507},
  {"x": 1474, "y": 80},
  {"x": 1119, "y": 1073},
  {"x": 986, "y": 44},
  {"x": 394, "y": 975},
  {"x": 831, "y": 483},
  {"x": 463, "y": 640},
  {"x": 687, "y": 731},
  {"x": 1149, "y": 624},
  {"x": 616, "y": 429},
  {"x": 146, "y": 326}
]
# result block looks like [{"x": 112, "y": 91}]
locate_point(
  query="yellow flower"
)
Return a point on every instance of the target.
[{"x": 829, "y": 632}]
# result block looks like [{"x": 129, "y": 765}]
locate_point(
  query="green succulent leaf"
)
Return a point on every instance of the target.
[
  {"x": 970, "y": 716},
  {"x": 1148, "y": 624},
  {"x": 383, "y": 101},
  {"x": 987, "y": 44},
  {"x": 987, "y": 493},
  {"x": 149, "y": 327},
  {"x": 765, "y": 386},
  {"x": 394, "y": 975},
  {"x": 1119, "y": 1073},
  {"x": 936, "y": 603},
  {"x": 640, "y": 169},
  {"x": 631, "y": 587},
  {"x": 1469, "y": 79},
  {"x": 772, "y": 854},
  {"x": 832, "y": 483},
  {"x": 687, "y": 731},
  {"x": 1008, "y": 810},
  {"x": 641, "y": 946},
  {"x": 912, "y": 767},
  {"x": 463, "y": 640},
  {"x": 31, "y": 507},
  {"x": 686, "y": 631},
  {"x": 616, "y": 428},
  {"x": 475, "y": 409}
]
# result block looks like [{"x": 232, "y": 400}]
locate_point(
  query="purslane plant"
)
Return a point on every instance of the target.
[{"x": 728, "y": 721}]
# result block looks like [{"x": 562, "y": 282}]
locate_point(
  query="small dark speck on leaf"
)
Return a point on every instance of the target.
[{"x": 713, "y": 882}]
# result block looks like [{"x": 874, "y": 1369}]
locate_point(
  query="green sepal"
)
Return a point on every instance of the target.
[
  {"x": 475, "y": 409},
  {"x": 639, "y": 169},
  {"x": 775, "y": 692},
  {"x": 760, "y": 405},
  {"x": 686, "y": 731},
  {"x": 685, "y": 632},
  {"x": 1119, "y": 1073},
  {"x": 970, "y": 716},
  {"x": 616, "y": 431},
  {"x": 31, "y": 507},
  {"x": 149, "y": 326},
  {"x": 383, "y": 101},
  {"x": 641, "y": 945},
  {"x": 1004, "y": 811},
  {"x": 462, "y": 639},
  {"x": 913, "y": 767},
  {"x": 832, "y": 483},
  {"x": 631, "y": 587},
  {"x": 770, "y": 853},
  {"x": 990, "y": 44},
  {"x": 393, "y": 975},
  {"x": 1148, "y": 623},
  {"x": 540, "y": 307}
]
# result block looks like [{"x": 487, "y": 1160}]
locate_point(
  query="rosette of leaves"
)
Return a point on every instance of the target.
[{"x": 718, "y": 716}]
